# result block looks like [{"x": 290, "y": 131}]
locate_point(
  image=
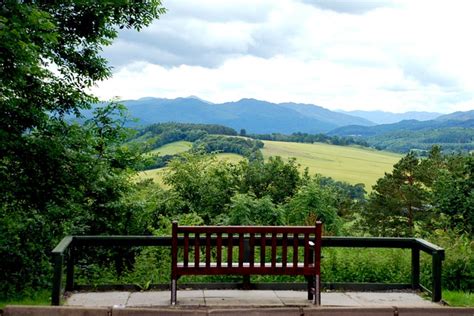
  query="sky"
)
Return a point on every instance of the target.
[{"x": 397, "y": 56}]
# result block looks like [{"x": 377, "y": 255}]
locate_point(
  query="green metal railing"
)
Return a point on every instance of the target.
[{"x": 65, "y": 255}]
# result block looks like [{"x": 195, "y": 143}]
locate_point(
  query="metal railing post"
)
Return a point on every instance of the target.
[
  {"x": 415, "y": 268},
  {"x": 58, "y": 259},
  {"x": 436, "y": 262},
  {"x": 70, "y": 269}
]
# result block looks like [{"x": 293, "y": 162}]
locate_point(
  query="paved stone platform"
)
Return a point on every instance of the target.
[{"x": 251, "y": 298}]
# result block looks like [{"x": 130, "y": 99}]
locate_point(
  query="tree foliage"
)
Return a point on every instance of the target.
[
  {"x": 58, "y": 177},
  {"x": 423, "y": 194}
]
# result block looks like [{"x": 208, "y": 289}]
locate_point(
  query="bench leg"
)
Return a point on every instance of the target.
[
  {"x": 173, "y": 291},
  {"x": 310, "y": 281},
  {"x": 317, "y": 291}
]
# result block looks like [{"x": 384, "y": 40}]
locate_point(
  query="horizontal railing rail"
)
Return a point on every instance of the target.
[{"x": 67, "y": 250}]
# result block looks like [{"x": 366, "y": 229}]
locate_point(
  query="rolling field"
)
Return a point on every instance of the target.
[
  {"x": 173, "y": 148},
  {"x": 350, "y": 164}
]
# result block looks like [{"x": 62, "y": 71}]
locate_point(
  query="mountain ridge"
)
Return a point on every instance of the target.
[
  {"x": 383, "y": 117},
  {"x": 255, "y": 116}
]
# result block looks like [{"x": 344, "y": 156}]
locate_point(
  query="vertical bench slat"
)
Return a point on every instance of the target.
[
  {"x": 196, "y": 250},
  {"x": 284, "y": 254},
  {"x": 252, "y": 250},
  {"x": 229, "y": 250},
  {"x": 274, "y": 249},
  {"x": 262, "y": 249},
  {"x": 208, "y": 250},
  {"x": 186, "y": 250},
  {"x": 241, "y": 250},
  {"x": 306, "y": 250},
  {"x": 295, "y": 250},
  {"x": 219, "y": 250}
]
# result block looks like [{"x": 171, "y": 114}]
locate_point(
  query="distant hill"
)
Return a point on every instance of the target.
[
  {"x": 454, "y": 133},
  {"x": 381, "y": 117},
  {"x": 321, "y": 113},
  {"x": 254, "y": 116},
  {"x": 457, "y": 116}
]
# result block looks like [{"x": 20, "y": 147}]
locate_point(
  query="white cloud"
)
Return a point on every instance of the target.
[{"x": 397, "y": 56}]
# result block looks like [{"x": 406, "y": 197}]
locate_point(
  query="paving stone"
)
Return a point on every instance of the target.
[
  {"x": 247, "y": 298},
  {"x": 190, "y": 298},
  {"x": 389, "y": 299},
  {"x": 98, "y": 299},
  {"x": 338, "y": 299},
  {"x": 146, "y": 299},
  {"x": 242, "y": 298}
]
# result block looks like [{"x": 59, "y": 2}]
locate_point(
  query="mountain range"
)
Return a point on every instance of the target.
[
  {"x": 454, "y": 131},
  {"x": 254, "y": 116},
  {"x": 381, "y": 117}
]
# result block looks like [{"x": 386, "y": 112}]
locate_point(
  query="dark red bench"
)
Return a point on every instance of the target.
[{"x": 208, "y": 244}]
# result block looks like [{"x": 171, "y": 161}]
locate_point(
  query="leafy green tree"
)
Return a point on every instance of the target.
[
  {"x": 248, "y": 210},
  {"x": 399, "y": 199},
  {"x": 57, "y": 177},
  {"x": 313, "y": 202},
  {"x": 453, "y": 194},
  {"x": 204, "y": 183},
  {"x": 275, "y": 178}
]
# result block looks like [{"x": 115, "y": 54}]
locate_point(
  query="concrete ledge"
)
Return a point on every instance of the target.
[
  {"x": 157, "y": 312},
  {"x": 256, "y": 312},
  {"x": 445, "y": 311},
  {"x": 349, "y": 311},
  {"x": 17, "y": 310},
  {"x": 176, "y": 311}
]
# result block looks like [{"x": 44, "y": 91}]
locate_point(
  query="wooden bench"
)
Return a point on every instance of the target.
[{"x": 212, "y": 249}]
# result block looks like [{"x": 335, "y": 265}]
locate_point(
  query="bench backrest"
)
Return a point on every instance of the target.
[{"x": 261, "y": 249}]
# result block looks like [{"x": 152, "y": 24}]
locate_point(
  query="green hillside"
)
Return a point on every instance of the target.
[
  {"x": 350, "y": 164},
  {"x": 173, "y": 148}
]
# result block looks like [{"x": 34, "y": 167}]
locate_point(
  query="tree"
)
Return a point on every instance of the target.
[
  {"x": 275, "y": 177},
  {"x": 399, "y": 199},
  {"x": 203, "y": 183},
  {"x": 453, "y": 194},
  {"x": 312, "y": 202},
  {"x": 58, "y": 177},
  {"x": 248, "y": 210}
]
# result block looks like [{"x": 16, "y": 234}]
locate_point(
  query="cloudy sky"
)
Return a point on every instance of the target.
[{"x": 340, "y": 54}]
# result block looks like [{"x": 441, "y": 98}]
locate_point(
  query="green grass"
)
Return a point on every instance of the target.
[
  {"x": 172, "y": 148},
  {"x": 458, "y": 298},
  {"x": 42, "y": 297},
  {"x": 343, "y": 163}
]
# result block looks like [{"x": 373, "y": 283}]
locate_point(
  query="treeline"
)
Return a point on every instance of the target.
[
  {"x": 157, "y": 135},
  {"x": 452, "y": 140},
  {"x": 249, "y": 148},
  {"x": 246, "y": 147},
  {"x": 209, "y": 138},
  {"x": 311, "y": 138}
]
